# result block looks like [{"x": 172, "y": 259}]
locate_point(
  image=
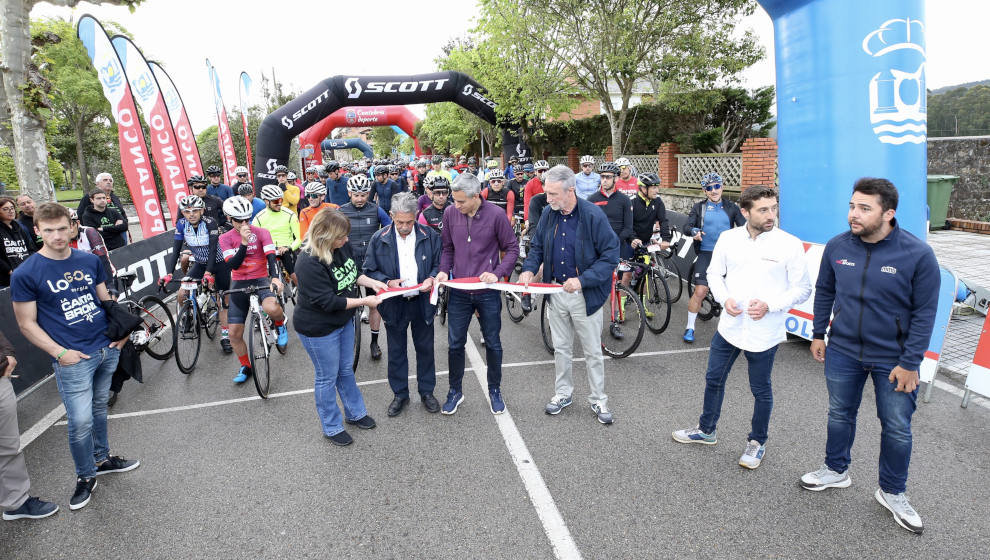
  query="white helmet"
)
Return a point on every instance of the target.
[
  {"x": 541, "y": 164},
  {"x": 312, "y": 169},
  {"x": 238, "y": 207},
  {"x": 291, "y": 176},
  {"x": 587, "y": 159},
  {"x": 240, "y": 169},
  {"x": 359, "y": 184},
  {"x": 496, "y": 174},
  {"x": 191, "y": 202},
  {"x": 316, "y": 187},
  {"x": 271, "y": 192},
  {"x": 623, "y": 162}
]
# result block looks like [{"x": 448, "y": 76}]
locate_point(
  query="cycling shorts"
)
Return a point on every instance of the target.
[
  {"x": 240, "y": 302},
  {"x": 700, "y": 271}
]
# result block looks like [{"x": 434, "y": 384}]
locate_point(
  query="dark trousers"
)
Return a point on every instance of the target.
[
  {"x": 460, "y": 307},
  {"x": 410, "y": 315}
]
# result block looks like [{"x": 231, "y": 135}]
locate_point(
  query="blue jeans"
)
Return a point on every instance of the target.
[
  {"x": 333, "y": 359},
  {"x": 845, "y": 377},
  {"x": 720, "y": 359},
  {"x": 460, "y": 307},
  {"x": 85, "y": 390}
]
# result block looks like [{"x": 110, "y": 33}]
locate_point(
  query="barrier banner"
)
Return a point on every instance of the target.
[
  {"x": 146, "y": 257},
  {"x": 134, "y": 160},
  {"x": 244, "y": 92},
  {"x": 473, "y": 283},
  {"x": 180, "y": 122},
  {"x": 149, "y": 99},
  {"x": 227, "y": 153}
]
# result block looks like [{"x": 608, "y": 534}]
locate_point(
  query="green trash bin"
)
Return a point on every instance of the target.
[{"x": 939, "y": 192}]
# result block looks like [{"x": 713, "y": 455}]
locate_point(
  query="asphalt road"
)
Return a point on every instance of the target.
[{"x": 256, "y": 479}]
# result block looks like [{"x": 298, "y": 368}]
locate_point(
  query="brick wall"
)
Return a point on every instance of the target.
[
  {"x": 573, "y": 160},
  {"x": 971, "y": 226},
  {"x": 667, "y": 156},
  {"x": 759, "y": 162}
]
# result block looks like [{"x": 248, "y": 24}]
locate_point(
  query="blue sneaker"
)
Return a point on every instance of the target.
[
  {"x": 243, "y": 375},
  {"x": 454, "y": 399},
  {"x": 695, "y": 435},
  {"x": 689, "y": 335},
  {"x": 33, "y": 508},
  {"x": 753, "y": 456},
  {"x": 556, "y": 404},
  {"x": 283, "y": 336},
  {"x": 498, "y": 405}
]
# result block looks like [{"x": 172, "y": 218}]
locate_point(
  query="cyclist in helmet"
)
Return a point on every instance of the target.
[
  {"x": 416, "y": 177},
  {"x": 706, "y": 222},
  {"x": 439, "y": 199},
  {"x": 383, "y": 188},
  {"x": 250, "y": 253},
  {"x": 512, "y": 168},
  {"x": 649, "y": 212},
  {"x": 534, "y": 186},
  {"x": 216, "y": 186},
  {"x": 472, "y": 167},
  {"x": 241, "y": 176},
  {"x": 448, "y": 166},
  {"x": 201, "y": 233},
  {"x": 490, "y": 165},
  {"x": 312, "y": 174},
  {"x": 500, "y": 195},
  {"x": 336, "y": 184},
  {"x": 397, "y": 174},
  {"x": 618, "y": 208},
  {"x": 247, "y": 191},
  {"x": 438, "y": 169},
  {"x": 283, "y": 226},
  {"x": 214, "y": 206},
  {"x": 587, "y": 181},
  {"x": 366, "y": 218},
  {"x": 626, "y": 183},
  {"x": 517, "y": 184},
  {"x": 290, "y": 192},
  {"x": 316, "y": 193}
]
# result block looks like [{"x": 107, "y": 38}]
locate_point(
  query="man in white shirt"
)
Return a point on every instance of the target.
[
  {"x": 758, "y": 272},
  {"x": 405, "y": 254}
]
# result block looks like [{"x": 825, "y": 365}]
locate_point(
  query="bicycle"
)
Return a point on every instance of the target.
[
  {"x": 261, "y": 337},
  {"x": 198, "y": 311},
  {"x": 668, "y": 265},
  {"x": 650, "y": 283},
  {"x": 357, "y": 340},
  {"x": 289, "y": 290},
  {"x": 155, "y": 335},
  {"x": 709, "y": 307}
]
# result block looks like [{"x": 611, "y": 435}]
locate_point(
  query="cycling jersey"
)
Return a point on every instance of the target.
[
  {"x": 628, "y": 187},
  {"x": 201, "y": 239},
  {"x": 307, "y": 214},
  {"x": 647, "y": 213},
  {"x": 90, "y": 241},
  {"x": 433, "y": 217},
  {"x": 251, "y": 261},
  {"x": 282, "y": 225},
  {"x": 504, "y": 199},
  {"x": 290, "y": 196}
]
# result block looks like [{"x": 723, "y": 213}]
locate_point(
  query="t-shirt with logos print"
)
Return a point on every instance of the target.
[{"x": 65, "y": 294}]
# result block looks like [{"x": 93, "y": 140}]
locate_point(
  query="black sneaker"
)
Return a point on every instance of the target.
[
  {"x": 116, "y": 464},
  {"x": 376, "y": 351},
  {"x": 341, "y": 439},
  {"x": 113, "y": 399},
  {"x": 32, "y": 508},
  {"x": 366, "y": 422},
  {"x": 84, "y": 489},
  {"x": 527, "y": 303},
  {"x": 225, "y": 346}
]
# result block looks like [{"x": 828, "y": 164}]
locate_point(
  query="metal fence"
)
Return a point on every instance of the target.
[{"x": 692, "y": 167}]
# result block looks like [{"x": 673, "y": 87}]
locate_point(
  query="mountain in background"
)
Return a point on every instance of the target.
[
  {"x": 962, "y": 110},
  {"x": 966, "y": 85}
]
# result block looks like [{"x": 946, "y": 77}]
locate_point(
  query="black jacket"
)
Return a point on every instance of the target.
[
  {"x": 618, "y": 208},
  {"x": 323, "y": 292},
  {"x": 114, "y": 203},
  {"x": 696, "y": 218},
  {"x": 120, "y": 322},
  {"x": 113, "y": 234},
  {"x": 646, "y": 214},
  {"x": 382, "y": 263},
  {"x": 15, "y": 247}
]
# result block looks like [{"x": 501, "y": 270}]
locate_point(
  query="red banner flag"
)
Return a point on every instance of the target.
[{"x": 180, "y": 122}]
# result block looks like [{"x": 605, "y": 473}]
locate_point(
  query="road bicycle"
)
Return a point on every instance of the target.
[
  {"x": 649, "y": 281},
  {"x": 200, "y": 312},
  {"x": 289, "y": 290},
  {"x": 261, "y": 336},
  {"x": 155, "y": 335},
  {"x": 709, "y": 307},
  {"x": 669, "y": 266}
]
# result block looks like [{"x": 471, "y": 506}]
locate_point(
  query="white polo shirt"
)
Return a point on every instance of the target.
[{"x": 771, "y": 268}]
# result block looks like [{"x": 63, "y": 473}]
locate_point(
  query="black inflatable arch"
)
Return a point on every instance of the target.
[{"x": 279, "y": 128}]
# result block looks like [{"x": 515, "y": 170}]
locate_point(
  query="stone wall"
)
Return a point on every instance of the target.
[{"x": 969, "y": 158}]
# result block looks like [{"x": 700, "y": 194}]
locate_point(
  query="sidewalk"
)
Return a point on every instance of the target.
[{"x": 968, "y": 256}]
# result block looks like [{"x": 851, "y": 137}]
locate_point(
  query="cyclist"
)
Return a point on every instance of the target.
[
  {"x": 618, "y": 208},
  {"x": 534, "y": 186},
  {"x": 461, "y": 164},
  {"x": 432, "y": 215},
  {"x": 216, "y": 187},
  {"x": 201, "y": 234},
  {"x": 315, "y": 192},
  {"x": 250, "y": 253},
  {"x": 384, "y": 188},
  {"x": 510, "y": 170},
  {"x": 448, "y": 166},
  {"x": 498, "y": 194},
  {"x": 290, "y": 192},
  {"x": 518, "y": 186},
  {"x": 490, "y": 165},
  {"x": 88, "y": 239},
  {"x": 472, "y": 167},
  {"x": 241, "y": 176},
  {"x": 626, "y": 182},
  {"x": 649, "y": 212},
  {"x": 438, "y": 169},
  {"x": 397, "y": 174},
  {"x": 214, "y": 206},
  {"x": 247, "y": 191},
  {"x": 417, "y": 176},
  {"x": 366, "y": 218},
  {"x": 312, "y": 172},
  {"x": 706, "y": 222},
  {"x": 283, "y": 226},
  {"x": 587, "y": 180},
  {"x": 336, "y": 184}
]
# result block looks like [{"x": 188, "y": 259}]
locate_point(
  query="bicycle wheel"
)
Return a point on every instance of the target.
[
  {"x": 655, "y": 296},
  {"x": 623, "y": 323},
  {"x": 187, "y": 339},
  {"x": 545, "y": 324},
  {"x": 258, "y": 351},
  {"x": 211, "y": 316},
  {"x": 357, "y": 340},
  {"x": 668, "y": 267},
  {"x": 708, "y": 305},
  {"x": 158, "y": 322}
]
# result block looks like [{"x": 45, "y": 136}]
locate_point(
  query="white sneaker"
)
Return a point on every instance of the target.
[
  {"x": 364, "y": 316},
  {"x": 904, "y": 514},
  {"x": 753, "y": 456},
  {"x": 824, "y": 478}
]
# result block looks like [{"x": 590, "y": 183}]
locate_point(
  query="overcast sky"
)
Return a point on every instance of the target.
[{"x": 306, "y": 41}]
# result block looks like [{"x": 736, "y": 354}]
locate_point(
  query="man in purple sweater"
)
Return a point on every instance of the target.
[{"x": 477, "y": 242}]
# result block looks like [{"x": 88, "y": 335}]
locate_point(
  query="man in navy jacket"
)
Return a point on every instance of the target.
[
  {"x": 878, "y": 284},
  {"x": 578, "y": 249},
  {"x": 405, "y": 254}
]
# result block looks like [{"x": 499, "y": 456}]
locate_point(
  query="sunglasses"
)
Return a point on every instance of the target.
[
  {"x": 496, "y": 181},
  {"x": 314, "y": 196},
  {"x": 234, "y": 220},
  {"x": 199, "y": 186},
  {"x": 275, "y": 201},
  {"x": 587, "y": 165},
  {"x": 709, "y": 188},
  {"x": 440, "y": 191},
  {"x": 242, "y": 174}
]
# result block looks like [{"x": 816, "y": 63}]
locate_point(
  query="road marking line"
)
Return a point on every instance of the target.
[
  {"x": 636, "y": 355},
  {"x": 553, "y": 523},
  {"x": 41, "y": 426}
]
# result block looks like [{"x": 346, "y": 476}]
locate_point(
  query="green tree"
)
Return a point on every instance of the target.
[
  {"x": 614, "y": 46},
  {"x": 962, "y": 111},
  {"x": 383, "y": 140}
]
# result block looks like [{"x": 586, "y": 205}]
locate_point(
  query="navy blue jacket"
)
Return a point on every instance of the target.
[
  {"x": 381, "y": 262},
  {"x": 383, "y": 193},
  {"x": 596, "y": 248},
  {"x": 337, "y": 191},
  {"x": 883, "y": 295}
]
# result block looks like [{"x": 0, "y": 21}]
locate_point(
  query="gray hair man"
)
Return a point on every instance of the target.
[
  {"x": 577, "y": 248},
  {"x": 407, "y": 254},
  {"x": 103, "y": 182}
]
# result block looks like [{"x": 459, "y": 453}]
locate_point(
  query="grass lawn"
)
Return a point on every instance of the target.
[{"x": 69, "y": 195}]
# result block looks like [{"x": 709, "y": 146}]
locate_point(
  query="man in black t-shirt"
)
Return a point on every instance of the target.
[
  {"x": 104, "y": 182},
  {"x": 108, "y": 221}
]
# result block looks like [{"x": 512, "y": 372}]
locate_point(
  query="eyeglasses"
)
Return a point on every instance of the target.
[
  {"x": 9, "y": 208},
  {"x": 709, "y": 188}
]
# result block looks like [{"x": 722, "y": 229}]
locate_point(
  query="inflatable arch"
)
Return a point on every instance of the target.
[
  {"x": 277, "y": 130},
  {"x": 341, "y": 144},
  {"x": 850, "y": 103},
  {"x": 399, "y": 117}
]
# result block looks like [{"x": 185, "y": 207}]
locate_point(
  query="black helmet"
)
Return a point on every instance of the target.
[
  {"x": 609, "y": 167},
  {"x": 649, "y": 180},
  {"x": 473, "y": 161},
  {"x": 214, "y": 170},
  {"x": 281, "y": 169},
  {"x": 437, "y": 159},
  {"x": 331, "y": 166},
  {"x": 196, "y": 180},
  {"x": 440, "y": 182}
]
